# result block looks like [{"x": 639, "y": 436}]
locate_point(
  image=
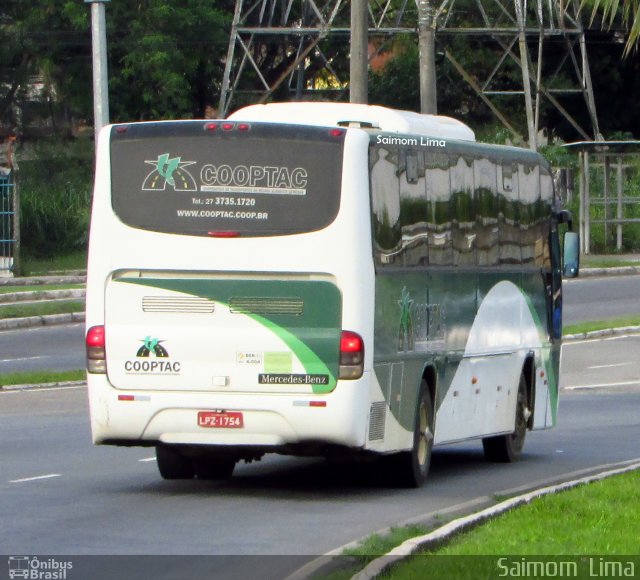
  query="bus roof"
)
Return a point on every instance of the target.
[{"x": 366, "y": 116}]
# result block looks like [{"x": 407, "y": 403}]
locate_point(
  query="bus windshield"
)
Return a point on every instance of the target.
[{"x": 206, "y": 178}]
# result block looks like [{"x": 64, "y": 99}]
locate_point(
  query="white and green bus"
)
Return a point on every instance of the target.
[{"x": 320, "y": 279}]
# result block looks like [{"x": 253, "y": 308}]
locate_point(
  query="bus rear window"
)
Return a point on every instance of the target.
[{"x": 194, "y": 178}]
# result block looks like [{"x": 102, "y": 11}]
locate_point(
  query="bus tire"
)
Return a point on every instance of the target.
[
  {"x": 214, "y": 467},
  {"x": 412, "y": 467},
  {"x": 172, "y": 464},
  {"x": 507, "y": 448}
]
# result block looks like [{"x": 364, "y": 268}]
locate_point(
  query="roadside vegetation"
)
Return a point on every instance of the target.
[
  {"x": 633, "y": 320},
  {"x": 41, "y": 308},
  {"x": 56, "y": 264},
  {"x": 595, "y": 520},
  {"x": 40, "y": 377}
]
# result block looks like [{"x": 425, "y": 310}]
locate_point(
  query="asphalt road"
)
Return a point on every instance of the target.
[
  {"x": 590, "y": 299},
  {"x": 55, "y": 348},
  {"x": 61, "y": 495}
]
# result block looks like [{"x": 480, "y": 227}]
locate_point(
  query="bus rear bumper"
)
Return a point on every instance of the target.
[{"x": 268, "y": 421}]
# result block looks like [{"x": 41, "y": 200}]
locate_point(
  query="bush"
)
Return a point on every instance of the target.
[{"x": 55, "y": 198}]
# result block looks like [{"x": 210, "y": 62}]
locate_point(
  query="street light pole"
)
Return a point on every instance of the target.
[
  {"x": 100, "y": 79},
  {"x": 427, "y": 57},
  {"x": 359, "y": 62}
]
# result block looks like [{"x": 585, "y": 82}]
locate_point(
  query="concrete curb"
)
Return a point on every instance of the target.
[
  {"x": 77, "y": 278},
  {"x": 605, "y": 333},
  {"x": 47, "y": 320},
  {"x": 42, "y": 295},
  {"x": 615, "y": 271},
  {"x": 439, "y": 536},
  {"x": 37, "y": 386}
]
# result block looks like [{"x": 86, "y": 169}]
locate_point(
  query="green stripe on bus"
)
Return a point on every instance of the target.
[{"x": 313, "y": 336}]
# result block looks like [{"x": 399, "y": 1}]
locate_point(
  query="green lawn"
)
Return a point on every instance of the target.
[
  {"x": 44, "y": 266},
  {"x": 50, "y": 307},
  {"x": 633, "y": 320},
  {"x": 600, "y": 520},
  {"x": 40, "y": 377},
  {"x": 589, "y": 529}
]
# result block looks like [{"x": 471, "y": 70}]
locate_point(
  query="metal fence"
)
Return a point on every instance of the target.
[
  {"x": 609, "y": 194},
  {"x": 7, "y": 224}
]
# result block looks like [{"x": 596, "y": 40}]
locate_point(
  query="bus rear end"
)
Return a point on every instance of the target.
[{"x": 225, "y": 312}]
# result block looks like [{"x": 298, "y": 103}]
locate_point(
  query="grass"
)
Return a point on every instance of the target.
[
  {"x": 40, "y": 309},
  {"x": 354, "y": 559},
  {"x": 607, "y": 261},
  {"x": 632, "y": 320},
  {"x": 32, "y": 266},
  {"x": 40, "y": 377},
  {"x": 379, "y": 544},
  {"x": 595, "y": 519}
]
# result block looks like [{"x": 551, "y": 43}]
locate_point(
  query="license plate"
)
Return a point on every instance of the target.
[{"x": 220, "y": 419}]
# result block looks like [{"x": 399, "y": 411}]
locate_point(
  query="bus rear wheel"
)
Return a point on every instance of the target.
[
  {"x": 214, "y": 466},
  {"x": 507, "y": 448},
  {"x": 412, "y": 467},
  {"x": 173, "y": 464}
]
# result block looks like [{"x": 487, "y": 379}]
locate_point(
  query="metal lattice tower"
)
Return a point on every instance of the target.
[{"x": 288, "y": 49}]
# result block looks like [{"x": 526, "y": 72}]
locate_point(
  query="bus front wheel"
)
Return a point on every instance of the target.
[{"x": 507, "y": 448}]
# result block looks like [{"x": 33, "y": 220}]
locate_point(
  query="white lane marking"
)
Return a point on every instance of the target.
[
  {"x": 4, "y": 360},
  {"x": 37, "y": 477},
  {"x": 147, "y": 459},
  {"x": 602, "y": 385},
  {"x": 625, "y": 364}
]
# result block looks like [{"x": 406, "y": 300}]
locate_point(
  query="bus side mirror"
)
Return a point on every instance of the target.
[{"x": 571, "y": 257}]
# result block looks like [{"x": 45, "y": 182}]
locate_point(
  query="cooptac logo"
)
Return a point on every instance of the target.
[
  {"x": 153, "y": 359},
  {"x": 169, "y": 170},
  {"x": 152, "y": 345}
]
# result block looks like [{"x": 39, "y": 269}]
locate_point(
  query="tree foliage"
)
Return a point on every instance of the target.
[{"x": 165, "y": 59}]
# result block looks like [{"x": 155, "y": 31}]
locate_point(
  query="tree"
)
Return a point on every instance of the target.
[{"x": 165, "y": 58}]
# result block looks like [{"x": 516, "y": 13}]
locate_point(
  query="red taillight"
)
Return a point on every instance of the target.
[
  {"x": 210, "y": 126},
  {"x": 96, "y": 358},
  {"x": 351, "y": 355},
  {"x": 336, "y": 132},
  {"x": 243, "y": 126},
  {"x": 224, "y": 234},
  {"x": 121, "y": 129},
  {"x": 350, "y": 342},
  {"x": 228, "y": 126}
]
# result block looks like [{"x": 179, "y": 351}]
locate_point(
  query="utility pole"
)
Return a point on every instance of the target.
[
  {"x": 526, "y": 79},
  {"x": 359, "y": 61},
  {"x": 427, "y": 56},
  {"x": 100, "y": 78}
]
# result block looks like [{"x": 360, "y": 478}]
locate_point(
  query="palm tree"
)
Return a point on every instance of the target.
[{"x": 630, "y": 11}]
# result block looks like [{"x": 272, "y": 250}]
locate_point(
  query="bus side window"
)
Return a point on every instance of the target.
[
  {"x": 413, "y": 209},
  {"x": 486, "y": 223},
  {"x": 439, "y": 209},
  {"x": 385, "y": 206},
  {"x": 532, "y": 228},
  {"x": 508, "y": 214},
  {"x": 464, "y": 235}
]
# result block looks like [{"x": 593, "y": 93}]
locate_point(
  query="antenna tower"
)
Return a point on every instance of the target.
[{"x": 289, "y": 50}]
